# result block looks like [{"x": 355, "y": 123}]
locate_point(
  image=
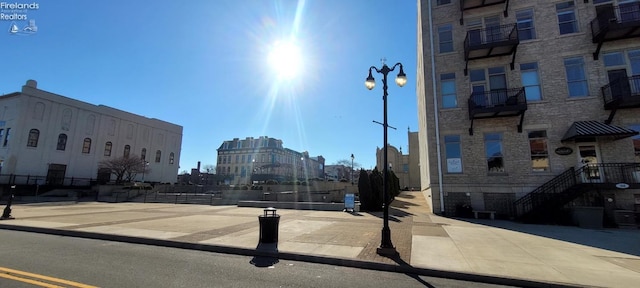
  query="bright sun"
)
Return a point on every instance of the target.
[{"x": 285, "y": 59}]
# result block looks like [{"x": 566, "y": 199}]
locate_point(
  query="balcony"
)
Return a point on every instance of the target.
[
  {"x": 621, "y": 93},
  {"x": 615, "y": 23},
  {"x": 491, "y": 42},
  {"x": 474, "y": 4},
  {"x": 498, "y": 103}
]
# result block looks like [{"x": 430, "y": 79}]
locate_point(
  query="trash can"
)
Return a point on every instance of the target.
[{"x": 269, "y": 226}]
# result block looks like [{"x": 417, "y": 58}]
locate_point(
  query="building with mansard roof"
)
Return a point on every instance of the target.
[{"x": 262, "y": 159}]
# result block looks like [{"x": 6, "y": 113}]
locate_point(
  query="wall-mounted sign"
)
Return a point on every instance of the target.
[
  {"x": 622, "y": 185},
  {"x": 564, "y": 150}
]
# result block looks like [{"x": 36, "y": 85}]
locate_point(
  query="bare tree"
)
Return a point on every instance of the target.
[
  {"x": 125, "y": 168},
  {"x": 209, "y": 169},
  {"x": 347, "y": 163}
]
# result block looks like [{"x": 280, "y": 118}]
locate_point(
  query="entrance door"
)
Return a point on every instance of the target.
[
  {"x": 55, "y": 175},
  {"x": 619, "y": 84},
  {"x": 588, "y": 157}
]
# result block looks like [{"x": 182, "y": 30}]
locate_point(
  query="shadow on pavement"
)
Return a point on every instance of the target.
[
  {"x": 403, "y": 263},
  {"x": 618, "y": 240}
]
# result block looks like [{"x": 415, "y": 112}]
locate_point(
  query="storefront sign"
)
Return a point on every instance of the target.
[{"x": 564, "y": 150}]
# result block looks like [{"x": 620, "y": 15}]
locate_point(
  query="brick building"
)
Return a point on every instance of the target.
[{"x": 529, "y": 107}]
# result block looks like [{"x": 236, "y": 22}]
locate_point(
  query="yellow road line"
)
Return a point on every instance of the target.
[
  {"x": 42, "y": 277},
  {"x": 34, "y": 282}
]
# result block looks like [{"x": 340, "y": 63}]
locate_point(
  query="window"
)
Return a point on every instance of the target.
[
  {"x": 531, "y": 81},
  {"x": 158, "y": 156},
  {"x": 143, "y": 154},
  {"x": 576, "y": 78},
  {"x": 6, "y": 138},
  {"x": 243, "y": 159},
  {"x": 453, "y": 153},
  {"x": 107, "y": 149},
  {"x": 493, "y": 150},
  {"x": 539, "y": 152},
  {"x": 443, "y": 2},
  {"x": 1, "y": 134},
  {"x": 526, "y": 29},
  {"x": 86, "y": 146},
  {"x": 634, "y": 59},
  {"x": 171, "y": 157},
  {"x": 127, "y": 151},
  {"x": 34, "y": 134},
  {"x": 445, "y": 38},
  {"x": 636, "y": 143},
  {"x": 237, "y": 158},
  {"x": 62, "y": 142},
  {"x": 567, "y": 17},
  {"x": 448, "y": 90}
]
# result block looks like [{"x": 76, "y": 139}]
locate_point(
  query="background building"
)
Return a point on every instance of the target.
[
  {"x": 263, "y": 159},
  {"x": 52, "y": 139},
  {"x": 405, "y": 166},
  {"x": 524, "y": 99}
]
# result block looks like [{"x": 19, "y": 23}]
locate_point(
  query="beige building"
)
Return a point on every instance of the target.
[
  {"x": 263, "y": 159},
  {"x": 405, "y": 166},
  {"x": 529, "y": 107},
  {"x": 49, "y": 139}
]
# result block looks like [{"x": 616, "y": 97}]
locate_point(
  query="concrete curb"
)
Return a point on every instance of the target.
[{"x": 399, "y": 268}]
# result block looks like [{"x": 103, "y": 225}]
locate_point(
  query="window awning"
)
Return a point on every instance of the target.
[{"x": 581, "y": 129}]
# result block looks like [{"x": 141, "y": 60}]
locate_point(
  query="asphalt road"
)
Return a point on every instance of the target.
[{"x": 112, "y": 264}]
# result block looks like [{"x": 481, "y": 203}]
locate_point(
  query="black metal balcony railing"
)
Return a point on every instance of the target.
[
  {"x": 473, "y": 4},
  {"x": 501, "y": 98},
  {"x": 615, "y": 22},
  {"x": 497, "y": 103},
  {"x": 622, "y": 92},
  {"x": 491, "y": 37},
  {"x": 491, "y": 42},
  {"x": 615, "y": 17}
]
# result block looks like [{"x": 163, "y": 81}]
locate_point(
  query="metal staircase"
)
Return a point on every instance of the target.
[{"x": 544, "y": 204}]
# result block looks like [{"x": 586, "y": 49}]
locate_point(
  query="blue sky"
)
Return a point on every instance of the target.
[{"x": 204, "y": 65}]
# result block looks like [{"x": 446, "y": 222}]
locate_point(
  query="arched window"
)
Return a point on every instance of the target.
[
  {"x": 86, "y": 146},
  {"x": 158, "y": 156},
  {"x": 34, "y": 134},
  {"x": 62, "y": 142},
  {"x": 127, "y": 151},
  {"x": 171, "y": 156},
  {"x": 107, "y": 148},
  {"x": 143, "y": 154}
]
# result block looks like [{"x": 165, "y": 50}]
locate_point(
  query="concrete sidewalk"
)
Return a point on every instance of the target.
[{"x": 491, "y": 251}]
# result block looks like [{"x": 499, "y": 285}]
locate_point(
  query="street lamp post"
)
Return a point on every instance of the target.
[
  {"x": 386, "y": 247},
  {"x": 352, "y": 168}
]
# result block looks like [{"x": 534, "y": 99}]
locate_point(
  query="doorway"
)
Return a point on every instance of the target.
[{"x": 588, "y": 160}]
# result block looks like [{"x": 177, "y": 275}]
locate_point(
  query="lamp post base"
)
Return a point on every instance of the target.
[
  {"x": 387, "y": 251},
  {"x": 386, "y": 247}
]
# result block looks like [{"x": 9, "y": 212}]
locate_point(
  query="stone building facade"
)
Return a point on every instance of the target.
[
  {"x": 49, "y": 139},
  {"x": 514, "y": 94},
  {"x": 263, "y": 159},
  {"x": 405, "y": 166}
]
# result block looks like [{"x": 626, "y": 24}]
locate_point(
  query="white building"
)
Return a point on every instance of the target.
[{"x": 50, "y": 138}]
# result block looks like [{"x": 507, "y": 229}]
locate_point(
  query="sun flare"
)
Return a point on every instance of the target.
[{"x": 285, "y": 59}]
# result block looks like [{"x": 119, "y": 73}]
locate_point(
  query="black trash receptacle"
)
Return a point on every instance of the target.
[{"x": 269, "y": 226}]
